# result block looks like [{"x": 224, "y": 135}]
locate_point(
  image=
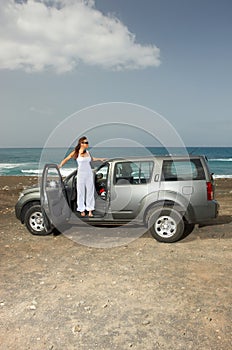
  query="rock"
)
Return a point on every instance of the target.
[
  {"x": 209, "y": 318},
  {"x": 76, "y": 329},
  {"x": 146, "y": 322},
  {"x": 29, "y": 256},
  {"x": 87, "y": 308},
  {"x": 32, "y": 307},
  {"x": 106, "y": 304}
]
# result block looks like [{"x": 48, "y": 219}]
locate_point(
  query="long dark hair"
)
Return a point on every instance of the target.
[{"x": 78, "y": 146}]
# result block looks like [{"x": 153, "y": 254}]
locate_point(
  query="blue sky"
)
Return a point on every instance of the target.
[{"x": 172, "y": 56}]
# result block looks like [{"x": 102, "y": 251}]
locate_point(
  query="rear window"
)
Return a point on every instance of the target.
[{"x": 182, "y": 170}]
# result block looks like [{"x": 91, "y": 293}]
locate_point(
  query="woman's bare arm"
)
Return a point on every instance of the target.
[
  {"x": 96, "y": 159},
  {"x": 65, "y": 160}
]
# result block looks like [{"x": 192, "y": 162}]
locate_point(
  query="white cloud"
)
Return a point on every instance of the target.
[{"x": 62, "y": 33}]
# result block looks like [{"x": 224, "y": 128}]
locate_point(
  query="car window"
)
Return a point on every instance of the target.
[
  {"x": 133, "y": 172},
  {"x": 181, "y": 170},
  {"x": 102, "y": 172}
]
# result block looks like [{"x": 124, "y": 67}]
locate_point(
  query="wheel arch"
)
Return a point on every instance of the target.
[
  {"x": 187, "y": 213},
  {"x": 26, "y": 206}
]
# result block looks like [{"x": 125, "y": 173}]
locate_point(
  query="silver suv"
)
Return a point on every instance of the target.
[{"x": 167, "y": 194}]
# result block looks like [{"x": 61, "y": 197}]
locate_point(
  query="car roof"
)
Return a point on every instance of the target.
[{"x": 158, "y": 157}]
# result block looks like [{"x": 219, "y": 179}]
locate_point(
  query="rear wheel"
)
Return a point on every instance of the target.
[
  {"x": 34, "y": 221},
  {"x": 188, "y": 228},
  {"x": 165, "y": 224}
]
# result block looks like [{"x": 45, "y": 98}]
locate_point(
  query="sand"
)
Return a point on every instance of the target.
[{"x": 58, "y": 294}]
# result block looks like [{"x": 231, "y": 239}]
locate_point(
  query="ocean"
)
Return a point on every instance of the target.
[{"x": 30, "y": 161}]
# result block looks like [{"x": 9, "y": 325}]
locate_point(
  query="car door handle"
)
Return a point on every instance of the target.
[{"x": 156, "y": 178}]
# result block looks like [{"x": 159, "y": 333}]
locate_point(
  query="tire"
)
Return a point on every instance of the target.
[
  {"x": 34, "y": 221},
  {"x": 165, "y": 224},
  {"x": 188, "y": 228}
]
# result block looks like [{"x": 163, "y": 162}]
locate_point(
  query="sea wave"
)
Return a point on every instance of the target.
[
  {"x": 220, "y": 160},
  {"x": 12, "y": 165},
  {"x": 66, "y": 171},
  {"x": 32, "y": 171},
  {"x": 63, "y": 171},
  {"x": 222, "y": 176}
]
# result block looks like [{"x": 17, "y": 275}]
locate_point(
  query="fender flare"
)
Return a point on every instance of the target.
[{"x": 187, "y": 213}]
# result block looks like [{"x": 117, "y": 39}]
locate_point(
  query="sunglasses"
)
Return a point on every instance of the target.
[{"x": 86, "y": 142}]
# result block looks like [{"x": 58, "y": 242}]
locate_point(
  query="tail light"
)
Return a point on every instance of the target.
[{"x": 209, "y": 191}]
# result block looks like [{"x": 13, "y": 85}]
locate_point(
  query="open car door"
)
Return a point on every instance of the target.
[{"x": 55, "y": 208}]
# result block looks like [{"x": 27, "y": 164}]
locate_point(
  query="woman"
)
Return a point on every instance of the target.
[{"x": 85, "y": 183}]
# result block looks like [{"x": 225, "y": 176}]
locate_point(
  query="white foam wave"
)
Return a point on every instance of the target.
[
  {"x": 222, "y": 176},
  {"x": 63, "y": 171},
  {"x": 11, "y": 165},
  {"x": 31, "y": 171},
  {"x": 66, "y": 171},
  {"x": 220, "y": 160}
]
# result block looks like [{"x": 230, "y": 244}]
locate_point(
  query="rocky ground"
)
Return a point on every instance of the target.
[{"x": 58, "y": 294}]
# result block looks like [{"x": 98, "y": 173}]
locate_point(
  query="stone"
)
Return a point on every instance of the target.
[{"x": 76, "y": 329}]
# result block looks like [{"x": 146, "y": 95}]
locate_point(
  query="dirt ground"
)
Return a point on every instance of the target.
[{"x": 56, "y": 294}]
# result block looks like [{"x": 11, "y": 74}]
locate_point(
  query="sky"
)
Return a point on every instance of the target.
[{"x": 61, "y": 56}]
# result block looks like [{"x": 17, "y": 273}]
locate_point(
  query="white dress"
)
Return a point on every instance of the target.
[{"x": 85, "y": 184}]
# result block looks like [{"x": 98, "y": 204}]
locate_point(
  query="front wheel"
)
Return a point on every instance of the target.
[
  {"x": 34, "y": 221},
  {"x": 166, "y": 224}
]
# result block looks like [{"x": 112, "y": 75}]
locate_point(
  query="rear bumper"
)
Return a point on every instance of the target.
[
  {"x": 213, "y": 209},
  {"x": 217, "y": 208},
  {"x": 205, "y": 213}
]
